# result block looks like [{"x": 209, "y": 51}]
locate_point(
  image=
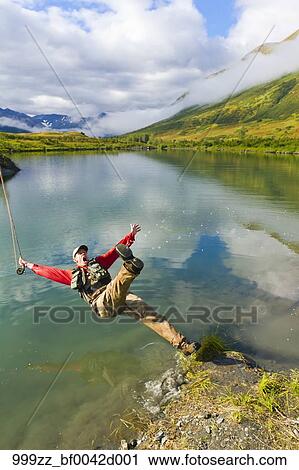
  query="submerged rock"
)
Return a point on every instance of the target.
[
  {"x": 8, "y": 167},
  {"x": 162, "y": 390}
]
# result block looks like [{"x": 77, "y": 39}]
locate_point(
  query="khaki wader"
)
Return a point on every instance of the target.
[{"x": 116, "y": 299}]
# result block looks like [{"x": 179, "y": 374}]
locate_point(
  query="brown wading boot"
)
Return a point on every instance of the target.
[
  {"x": 188, "y": 347},
  {"x": 124, "y": 251},
  {"x": 134, "y": 265}
]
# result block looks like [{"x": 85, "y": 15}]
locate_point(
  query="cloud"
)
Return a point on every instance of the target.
[
  {"x": 256, "y": 18},
  {"x": 57, "y": 102},
  {"x": 273, "y": 267},
  {"x": 131, "y": 59},
  {"x": 130, "y": 56},
  {"x": 14, "y": 123}
]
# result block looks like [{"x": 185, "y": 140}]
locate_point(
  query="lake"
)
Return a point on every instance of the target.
[{"x": 220, "y": 244}]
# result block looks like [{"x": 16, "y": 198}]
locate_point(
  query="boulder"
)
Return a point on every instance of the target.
[{"x": 8, "y": 167}]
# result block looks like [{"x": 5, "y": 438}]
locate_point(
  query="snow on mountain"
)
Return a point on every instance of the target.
[{"x": 18, "y": 122}]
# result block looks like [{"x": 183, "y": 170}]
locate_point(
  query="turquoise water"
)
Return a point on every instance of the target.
[{"x": 225, "y": 235}]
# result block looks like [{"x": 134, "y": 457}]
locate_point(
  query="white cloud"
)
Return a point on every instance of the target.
[
  {"x": 263, "y": 260},
  {"x": 13, "y": 123},
  {"x": 129, "y": 56},
  {"x": 256, "y": 19},
  {"x": 57, "y": 102}
]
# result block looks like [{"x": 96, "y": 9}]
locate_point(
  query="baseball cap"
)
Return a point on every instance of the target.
[{"x": 75, "y": 251}]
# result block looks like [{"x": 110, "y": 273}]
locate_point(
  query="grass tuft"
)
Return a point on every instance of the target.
[{"x": 211, "y": 348}]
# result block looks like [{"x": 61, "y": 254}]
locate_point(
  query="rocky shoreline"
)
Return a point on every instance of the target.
[
  {"x": 224, "y": 402},
  {"x": 8, "y": 167}
]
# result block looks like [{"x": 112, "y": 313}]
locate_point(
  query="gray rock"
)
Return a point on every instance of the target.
[
  {"x": 160, "y": 391},
  {"x": 180, "y": 379},
  {"x": 8, "y": 167},
  {"x": 169, "y": 396},
  {"x": 159, "y": 436},
  {"x": 124, "y": 445}
]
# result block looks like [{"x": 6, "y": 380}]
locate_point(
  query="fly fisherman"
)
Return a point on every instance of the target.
[{"x": 108, "y": 297}]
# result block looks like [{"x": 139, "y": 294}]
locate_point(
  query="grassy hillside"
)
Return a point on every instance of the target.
[
  {"x": 53, "y": 141},
  {"x": 264, "y": 117}
]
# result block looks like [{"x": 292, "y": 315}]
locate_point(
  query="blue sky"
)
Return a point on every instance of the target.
[
  {"x": 70, "y": 4},
  {"x": 219, "y": 15}
]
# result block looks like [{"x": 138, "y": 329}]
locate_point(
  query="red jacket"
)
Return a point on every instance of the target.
[{"x": 64, "y": 276}]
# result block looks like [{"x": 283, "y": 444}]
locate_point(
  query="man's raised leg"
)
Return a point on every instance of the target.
[{"x": 112, "y": 300}]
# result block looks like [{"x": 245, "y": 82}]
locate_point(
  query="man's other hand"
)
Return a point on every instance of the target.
[{"x": 135, "y": 228}]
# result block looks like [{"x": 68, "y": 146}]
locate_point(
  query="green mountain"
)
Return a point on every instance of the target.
[{"x": 263, "y": 117}]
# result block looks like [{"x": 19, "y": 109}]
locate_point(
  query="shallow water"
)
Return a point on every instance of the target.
[{"x": 224, "y": 236}]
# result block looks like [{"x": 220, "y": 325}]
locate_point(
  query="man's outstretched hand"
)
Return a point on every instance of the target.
[
  {"x": 22, "y": 262},
  {"x": 135, "y": 228},
  {"x": 25, "y": 264}
]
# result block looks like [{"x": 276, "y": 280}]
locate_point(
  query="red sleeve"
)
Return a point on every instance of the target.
[
  {"x": 107, "y": 259},
  {"x": 64, "y": 276}
]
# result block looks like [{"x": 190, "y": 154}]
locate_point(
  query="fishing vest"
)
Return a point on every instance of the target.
[{"x": 89, "y": 281}]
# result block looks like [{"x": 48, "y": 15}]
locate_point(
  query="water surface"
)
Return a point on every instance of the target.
[{"x": 224, "y": 235}]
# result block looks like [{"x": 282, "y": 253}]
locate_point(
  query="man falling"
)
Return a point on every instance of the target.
[{"x": 109, "y": 297}]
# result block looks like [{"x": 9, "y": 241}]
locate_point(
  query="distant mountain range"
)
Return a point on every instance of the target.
[{"x": 13, "y": 121}]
